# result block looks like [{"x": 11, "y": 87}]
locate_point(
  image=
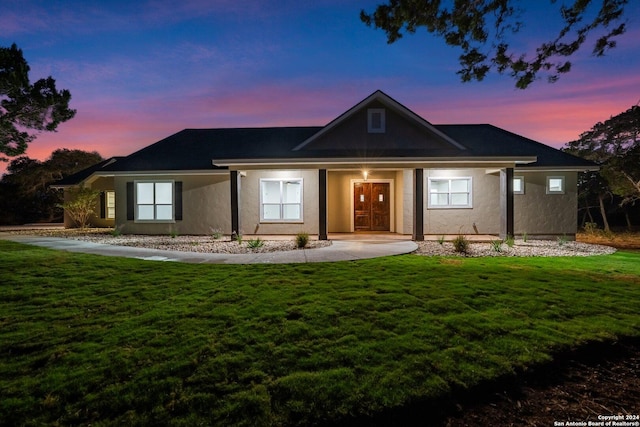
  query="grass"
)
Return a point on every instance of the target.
[{"x": 99, "y": 340}]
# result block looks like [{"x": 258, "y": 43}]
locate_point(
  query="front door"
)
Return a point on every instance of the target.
[{"x": 371, "y": 206}]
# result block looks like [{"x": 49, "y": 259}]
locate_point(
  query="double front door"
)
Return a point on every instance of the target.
[{"x": 372, "y": 207}]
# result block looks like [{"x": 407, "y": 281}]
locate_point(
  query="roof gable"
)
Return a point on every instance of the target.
[{"x": 403, "y": 129}]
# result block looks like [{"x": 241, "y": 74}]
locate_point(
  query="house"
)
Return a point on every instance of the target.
[{"x": 378, "y": 167}]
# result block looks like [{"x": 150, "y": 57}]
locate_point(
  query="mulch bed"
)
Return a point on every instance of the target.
[{"x": 578, "y": 386}]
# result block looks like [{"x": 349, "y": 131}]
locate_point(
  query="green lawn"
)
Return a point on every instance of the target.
[{"x": 99, "y": 340}]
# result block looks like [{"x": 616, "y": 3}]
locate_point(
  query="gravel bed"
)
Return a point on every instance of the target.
[
  {"x": 207, "y": 244},
  {"x": 530, "y": 248},
  {"x": 201, "y": 244}
]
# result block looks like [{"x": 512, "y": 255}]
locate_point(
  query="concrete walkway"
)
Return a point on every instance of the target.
[{"x": 340, "y": 250}]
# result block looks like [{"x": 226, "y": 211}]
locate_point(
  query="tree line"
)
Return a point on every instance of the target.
[{"x": 26, "y": 195}]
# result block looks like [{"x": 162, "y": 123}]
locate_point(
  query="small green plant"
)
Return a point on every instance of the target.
[
  {"x": 216, "y": 233},
  {"x": 591, "y": 228},
  {"x": 525, "y": 237},
  {"x": 117, "y": 231},
  {"x": 510, "y": 241},
  {"x": 255, "y": 243},
  {"x": 173, "y": 233},
  {"x": 461, "y": 244},
  {"x": 562, "y": 240},
  {"x": 496, "y": 245},
  {"x": 441, "y": 240},
  {"x": 302, "y": 239}
]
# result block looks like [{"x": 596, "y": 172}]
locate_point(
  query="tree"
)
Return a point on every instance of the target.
[
  {"x": 481, "y": 28},
  {"x": 81, "y": 205},
  {"x": 615, "y": 145},
  {"x": 25, "y": 195},
  {"x": 39, "y": 107}
]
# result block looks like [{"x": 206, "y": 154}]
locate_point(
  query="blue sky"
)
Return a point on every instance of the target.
[{"x": 140, "y": 71}]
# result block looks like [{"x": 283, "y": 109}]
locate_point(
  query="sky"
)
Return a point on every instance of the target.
[{"x": 139, "y": 71}]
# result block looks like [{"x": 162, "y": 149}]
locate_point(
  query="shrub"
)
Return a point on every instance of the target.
[
  {"x": 236, "y": 237},
  {"x": 216, "y": 233},
  {"x": 591, "y": 228},
  {"x": 525, "y": 237},
  {"x": 255, "y": 243},
  {"x": 496, "y": 245},
  {"x": 441, "y": 240},
  {"x": 117, "y": 231},
  {"x": 510, "y": 241},
  {"x": 302, "y": 239},
  {"x": 461, "y": 244},
  {"x": 562, "y": 240},
  {"x": 81, "y": 206}
]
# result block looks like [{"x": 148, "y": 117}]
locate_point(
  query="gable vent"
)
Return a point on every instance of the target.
[{"x": 376, "y": 120}]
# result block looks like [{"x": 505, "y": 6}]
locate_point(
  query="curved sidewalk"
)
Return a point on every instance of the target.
[{"x": 340, "y": 250}]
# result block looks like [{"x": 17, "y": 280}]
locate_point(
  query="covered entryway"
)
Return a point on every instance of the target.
[{"x": 371, "y": 206}]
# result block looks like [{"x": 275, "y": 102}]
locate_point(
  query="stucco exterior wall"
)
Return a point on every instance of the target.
[
  {"x": 250, "y": 203},
  {"x": 206, "y": 205},
  {"x": 484, "y": 215},
  {"x": 539, "y": 214}
]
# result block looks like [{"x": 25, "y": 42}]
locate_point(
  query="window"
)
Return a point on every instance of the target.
[
  {"x": 154, "y": 201},
  {"x": 110, "y": 202},
  {"x": 375, "y": 120},
  {"x": 555, "y": 185},
  {"x": 518, "y": 185},
  {"x": 281, "y": 200},
  {"x": 449, "y": 193}
]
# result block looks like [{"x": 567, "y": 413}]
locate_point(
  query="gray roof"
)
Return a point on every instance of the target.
[{"x": 197, "y": 149}]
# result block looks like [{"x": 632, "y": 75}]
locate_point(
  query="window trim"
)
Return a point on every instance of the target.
[
  {"x": 562, "y": 181},
  {"x": 521, "y": 179},
  {"x": 449, "y": 205},
  {"x": 383, "y": 122},
  {"x": 282, "y": 220},
  {"x": 173, "y": 201}
]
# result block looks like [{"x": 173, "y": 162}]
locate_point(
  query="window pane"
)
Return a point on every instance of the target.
[
  {"x": 271, "y": 192},
  {"x": 111, "y": 213},
  {"x": 555, "y": 184},
  {"x": 440, "y": 186},
  {"x": 460, "y": 199},
  {"x": 145, "y": 212},
  {"x": 291, "y": 211},
  {"x": 292, "y": 191},
  {"x": 517, "y": 185},
  {"x": 271, "y": 211},
  {"x": 111, "y": 199},
  {"x": 439, "y": 199},
  {"x": 163, "y": 193},
  {"x": 164, "y": 212},
  {"x": 459, "y": 186},
  {"x": 145, "y": 193}
]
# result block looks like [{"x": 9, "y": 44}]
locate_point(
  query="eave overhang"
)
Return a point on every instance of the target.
[{"x": 386, "y": 162}]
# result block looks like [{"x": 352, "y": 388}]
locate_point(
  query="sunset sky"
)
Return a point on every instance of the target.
[{"x": 139, "y": 71}]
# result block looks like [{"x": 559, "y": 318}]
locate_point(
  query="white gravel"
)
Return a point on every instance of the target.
[
  {"x": 530, "y": 248},
  {"x": 207, "y": 244}
]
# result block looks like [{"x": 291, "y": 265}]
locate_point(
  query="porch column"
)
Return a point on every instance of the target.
[
  {"x": 506, "y": 202},
  {"x": 322, "y": 204},
  {"x": 235, "y": 202},
  {"x": 418, "y": 205}
]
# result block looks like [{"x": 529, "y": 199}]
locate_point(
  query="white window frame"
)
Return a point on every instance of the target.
[
  {"x": 282, "y": 204},
  {"x": 110, "y": 204},
  {"x": 449, "y": 193},
  {"x": 562, "y": 185},
  {"x": 521, "y": 179},
  {"x": 383, "y": 125},
  {"x": 154, "y": 204}
]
